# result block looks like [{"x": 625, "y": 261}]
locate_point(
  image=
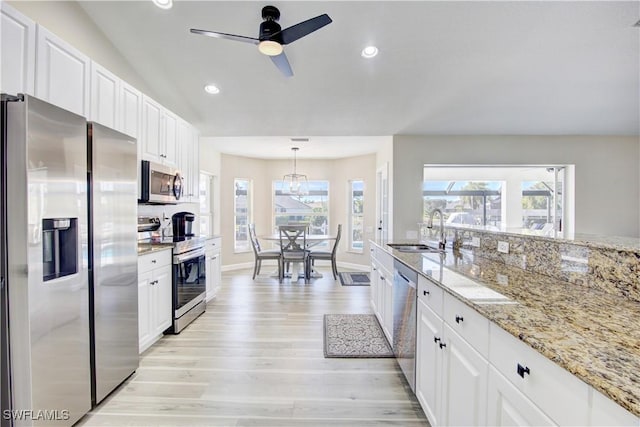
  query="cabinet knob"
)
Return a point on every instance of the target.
[
  {"x": 381, "y": 277},
  {"x": 425, "y": 293},
  {"x": 153, "y": 261},
  {"x": 436, "y": 339},
  {"x": 459, "y": 319},
  {"x": 442, "y": 345},
  {"x": 523, "y": 370}
]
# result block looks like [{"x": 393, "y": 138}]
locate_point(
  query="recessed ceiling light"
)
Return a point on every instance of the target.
[
  {"x": 369, "y": 52},
  {"x": 212, "y": 89},
  {"x": 163, "y": 4}
]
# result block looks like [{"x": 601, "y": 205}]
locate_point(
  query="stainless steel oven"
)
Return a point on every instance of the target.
[
  {"x": 189, "y": 286},
  {"x": 159, "y": 184}
]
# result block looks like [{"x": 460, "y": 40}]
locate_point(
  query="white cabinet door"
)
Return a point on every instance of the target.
[
  {"x": 105, "y": 96},
  {"x": 195, "y": 165},
  {"x": 387, "y": 284},
  {"x": 130, "y": 111},
  {"x": 162, "y": 295},
  {"x": 464, "y": 383},
  {"x": 185, "y": 158},
  {"x": 169, "y": 153},
  {"x": 509, "y": 407},
  {"x": 145, "y": 301},
  {"x": 373, "y": 295},
  {"x": 18, "y": 49},
  {"x": 152, "y": 114},
  {"x": 429, "y": 362},
  {"x": 213, "y": 275},
  {"x": 62, "y": 73}
]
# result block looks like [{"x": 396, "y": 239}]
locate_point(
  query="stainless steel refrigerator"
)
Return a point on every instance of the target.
[
  {"x": 113, "y": 234},
  {"x": 47, "y": 264}
]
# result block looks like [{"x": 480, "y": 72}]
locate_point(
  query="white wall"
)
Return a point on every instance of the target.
[
  {"x": 607, "y": 173},
  {"x": 68, "y": 20}
]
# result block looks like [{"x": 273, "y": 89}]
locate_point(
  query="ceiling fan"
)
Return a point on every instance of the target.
[{"x": 272, "y": 37}]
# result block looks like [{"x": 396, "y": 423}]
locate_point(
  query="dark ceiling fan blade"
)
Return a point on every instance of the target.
[
  {"x": 295, "y": 32},
  {"x": 282, "y": 63},
  {"x": 226, "y": 36}
]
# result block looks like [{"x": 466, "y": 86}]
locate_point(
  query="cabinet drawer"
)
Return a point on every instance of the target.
[
  {"x": 431, "y": 294},
  {"x": 562, "y": 396},
  {"x": 468, "y": 323},
  {"x": 213, "y": 244},
  {"x": 154, "y": 260}
]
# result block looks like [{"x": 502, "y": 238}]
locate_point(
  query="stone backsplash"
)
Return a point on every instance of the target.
[{"x": 611, "y": 267}]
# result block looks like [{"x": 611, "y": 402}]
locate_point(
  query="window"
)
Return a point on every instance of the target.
[
  {"x": 242, "y": 214},
  {"x": 465, "y": 202},
  {"x": 356, "y": 216},
  {"x": 311, "y": 208},
  {"x": 505, "y": 197}
]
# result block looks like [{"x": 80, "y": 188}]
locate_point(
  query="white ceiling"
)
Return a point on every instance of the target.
[{"x": 518, "y": 67}]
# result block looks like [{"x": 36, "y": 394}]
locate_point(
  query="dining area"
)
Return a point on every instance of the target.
[{"x": 295, "y": 251}]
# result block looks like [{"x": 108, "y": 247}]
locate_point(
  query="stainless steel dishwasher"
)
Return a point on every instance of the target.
[{"x": 404, "y": 320}]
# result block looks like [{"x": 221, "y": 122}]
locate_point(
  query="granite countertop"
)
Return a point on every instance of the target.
[{"x": 592, "y": 334}]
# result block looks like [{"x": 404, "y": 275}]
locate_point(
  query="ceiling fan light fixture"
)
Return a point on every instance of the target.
[
  {"x": 270, "y": 48},
  {"x": 212, "y": 89},
  {"x": 369, "y": 52},
  {"x": 163, "y": 4}
]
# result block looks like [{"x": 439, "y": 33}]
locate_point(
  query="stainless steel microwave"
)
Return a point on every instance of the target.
[{"x": 159, "y": 184}]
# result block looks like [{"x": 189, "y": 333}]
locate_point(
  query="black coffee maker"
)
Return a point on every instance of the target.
[{"x": 182, "y": 224}]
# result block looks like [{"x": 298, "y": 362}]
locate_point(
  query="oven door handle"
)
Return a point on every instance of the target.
[{"x": 179, "y": 259}]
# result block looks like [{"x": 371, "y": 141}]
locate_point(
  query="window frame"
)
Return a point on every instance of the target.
[
  {"x": 242, "y": 246},
  {"x": 353, "y": 215}
]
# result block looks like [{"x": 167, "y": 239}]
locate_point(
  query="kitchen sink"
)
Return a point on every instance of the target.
[{"x": 414, "y": 247}]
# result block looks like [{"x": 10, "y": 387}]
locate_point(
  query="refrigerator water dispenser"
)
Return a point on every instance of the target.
[{"x": 59, "y": 247}]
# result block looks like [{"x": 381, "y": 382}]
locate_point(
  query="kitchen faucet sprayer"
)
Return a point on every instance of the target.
[{"x": 443, "y": 241}]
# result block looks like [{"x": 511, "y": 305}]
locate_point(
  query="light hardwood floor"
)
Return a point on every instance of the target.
[{"x": 255, "y": 358}]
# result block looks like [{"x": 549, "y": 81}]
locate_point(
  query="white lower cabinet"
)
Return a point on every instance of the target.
[
  {"x": 154, "y": 297},
  {"x": 451, "y": 376},
  {"x": 213, "y": 267},
  {"x": 382, "y": 290},
  {"x": 509, "y": 407}
]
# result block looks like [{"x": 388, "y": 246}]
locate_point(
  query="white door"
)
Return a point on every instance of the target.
[
  {"x": 105, "y": 96},
  {"x": 145, "y": 300},
  {"x": 163, "y": 295},
  {"x": 509, "y": 407},
  {"x": 18, "y": 49},
  {"x": 151, "y": 130},
  {"x": 62, "y": 73},
  {"x": 382, "y": 203},
  {"x": 464, "y": 383},
  {"x": 429, "y": 362}
]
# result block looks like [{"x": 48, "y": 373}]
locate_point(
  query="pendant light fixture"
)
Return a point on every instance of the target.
[{"x": 295, "y": 183}]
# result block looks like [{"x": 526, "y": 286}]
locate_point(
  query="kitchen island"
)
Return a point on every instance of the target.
[{"x": 591, "y": 334}]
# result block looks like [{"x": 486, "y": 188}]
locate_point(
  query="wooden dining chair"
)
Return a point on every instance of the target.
[
  {"x": 327, "y": 255},
  {"x": 293, "y": 248},
  {"x": 261, "y": 254}
]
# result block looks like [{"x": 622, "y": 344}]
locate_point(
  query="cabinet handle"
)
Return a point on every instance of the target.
[
  {"x": 153, "y": 261},
  {"x": 523, "y": 370},
  {"x": 381, "y": 277},
  {"x": 375, "y": 269},
  {"x": 436, "y": 339},
  {"x": 425, "y": 293},
  {"x": 442, "y": 345},
  {"x": 459, "y": 319}
]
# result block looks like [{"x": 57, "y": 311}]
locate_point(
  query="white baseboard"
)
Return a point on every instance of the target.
[
  {"x": 231, "y": 267},
  {"x": 346, "y": 265},
  {"x": 351, "y": 266}
]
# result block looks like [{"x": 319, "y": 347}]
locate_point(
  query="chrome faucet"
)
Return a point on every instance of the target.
[{"x": 443, "y": 240}]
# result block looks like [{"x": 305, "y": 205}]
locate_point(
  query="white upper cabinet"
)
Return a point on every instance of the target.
[
  {"x": 62, "y": 73},
  {"x": 169, "y": 154},
  {"x": 151, "y": 130},
  {"x": 105, "y": 91},
  {"x": 18, "y": 48},
  {"x": 189, "y": 160},
  {"x": 130, "y": 117},
  {"x": 159, "y": 138}
]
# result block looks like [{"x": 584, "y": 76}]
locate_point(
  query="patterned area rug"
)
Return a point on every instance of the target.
[
  {"x": 354, "y": 279},
  {"x": 354, "y": 335}
]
